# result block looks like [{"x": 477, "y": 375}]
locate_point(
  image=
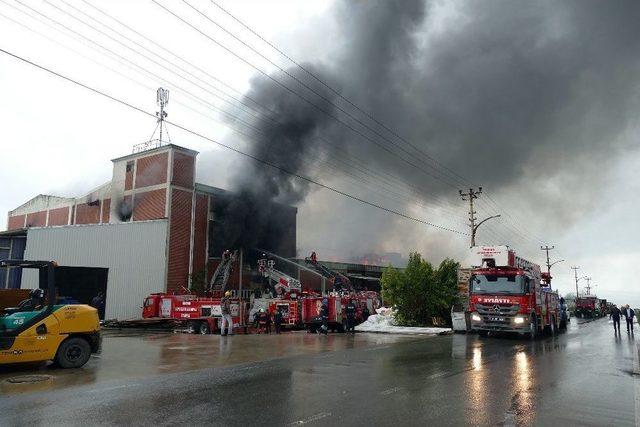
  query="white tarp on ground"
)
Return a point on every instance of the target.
[{"x": 384, "y": 322}]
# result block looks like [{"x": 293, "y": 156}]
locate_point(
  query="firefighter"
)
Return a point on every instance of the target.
[
  {"x": 324, "y": 315},
  {"x": 277, "y": 320},
  {"x": 365, "y": 312},
  {"x": 225, "y": 311},
  {"x": 256, "y": 319},
  {"x": 264, "y": 321},
  {"x": 615, "y": 315},
  {"x": 337, "y": 284},
  {"x": 351, "y": 316}
]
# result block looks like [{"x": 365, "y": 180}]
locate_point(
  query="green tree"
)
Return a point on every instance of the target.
[{"x": 420, "y": 292}]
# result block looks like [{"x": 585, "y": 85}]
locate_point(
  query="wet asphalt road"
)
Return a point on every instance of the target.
[{"x": 582, "y": 377}]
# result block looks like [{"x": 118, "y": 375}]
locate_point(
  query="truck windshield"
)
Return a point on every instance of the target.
[{"x": 493, "y": 284}]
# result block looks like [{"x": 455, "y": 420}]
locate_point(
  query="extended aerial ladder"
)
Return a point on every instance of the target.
[
  {"x": 338, "y": 280},
  {"x": 283, "y": 282},
  {"x": 221, "y": 276}
]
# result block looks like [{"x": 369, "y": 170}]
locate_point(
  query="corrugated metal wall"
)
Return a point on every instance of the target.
[{"x": 134, "y": 253}]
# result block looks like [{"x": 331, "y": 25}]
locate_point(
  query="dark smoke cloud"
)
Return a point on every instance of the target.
[
  {"x": 286, "y": 135},
  {"x": 518, "y": 97}
]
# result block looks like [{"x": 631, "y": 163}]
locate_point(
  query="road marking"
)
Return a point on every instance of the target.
[
  {"x": 390, "y": 391},
  {"x": 311, "y": 419},
  {"x": 437, "y": 375},
  {"x": 378, "y": 348},
  {"x": 636, "y": 381},
  {"x": 118, "y": 387}
]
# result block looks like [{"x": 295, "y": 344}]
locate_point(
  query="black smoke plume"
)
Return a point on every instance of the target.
[
  {"x": 285, "y": 136},
  {"x": 526, "y": 99}
]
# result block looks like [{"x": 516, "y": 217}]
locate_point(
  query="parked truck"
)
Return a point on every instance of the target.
[
  {"x": 588, "y": 306},
  {"x": 196, "y": 314},
  {"x": 508, "y": 294}
]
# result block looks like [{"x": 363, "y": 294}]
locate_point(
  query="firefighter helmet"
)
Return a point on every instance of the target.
[{"x": 227, "y": 294}]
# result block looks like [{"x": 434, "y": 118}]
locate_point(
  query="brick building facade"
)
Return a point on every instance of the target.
[{"x": 157, "y": 184}]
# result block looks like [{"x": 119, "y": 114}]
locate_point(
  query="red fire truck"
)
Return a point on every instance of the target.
[
  {"x": 588, "y": 306},
  {"x": 337, "y": 304},
  {"x": 510, "y": 294},
  {"x": 197, "y": 314}
]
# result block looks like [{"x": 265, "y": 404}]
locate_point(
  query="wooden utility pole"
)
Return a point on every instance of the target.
[
  {"x": 547, "y": 249},
  {"x": 470, "y": 197},
  {"x": 575, "y": 270}
]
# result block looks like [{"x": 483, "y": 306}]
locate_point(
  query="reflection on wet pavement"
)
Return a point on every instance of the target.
[
  {"x": 134, "y": 354},
  {"x": 583, "y": 377}
]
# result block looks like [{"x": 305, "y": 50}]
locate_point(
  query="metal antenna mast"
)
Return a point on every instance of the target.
[{"x": 162, "y": 98}]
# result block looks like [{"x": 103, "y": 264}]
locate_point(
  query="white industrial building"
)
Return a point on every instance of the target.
[{"x": 128, "y": 259}]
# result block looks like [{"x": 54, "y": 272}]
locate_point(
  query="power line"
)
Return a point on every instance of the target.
[
  {"x": 235, "y": 150},
  {"x": 210, "y": 106},
  {"x": 305, "y": 99},
  {"x": 364, "y": 112},
  {"x": 326, "y": 85}
]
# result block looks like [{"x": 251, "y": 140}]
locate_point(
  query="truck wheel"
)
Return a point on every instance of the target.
[
  {"x": 203, "y": 329},
  {"x": 74, "y": 352},
  {"x": 192, "y": 327}
]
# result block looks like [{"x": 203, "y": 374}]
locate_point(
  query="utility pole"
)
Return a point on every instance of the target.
[
  {"x": 547, "y": 249},
  {"x": 575, "y": 270},
  {"x": 470, "y": 197}
]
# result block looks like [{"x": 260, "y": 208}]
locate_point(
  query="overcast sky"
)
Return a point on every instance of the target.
[{"x": 538, "y": 104}]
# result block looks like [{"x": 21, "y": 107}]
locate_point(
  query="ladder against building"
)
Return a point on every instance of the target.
[{"x": 220, "y": 277}]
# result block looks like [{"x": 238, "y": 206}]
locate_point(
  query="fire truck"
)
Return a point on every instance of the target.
[
  {"x": 196, "y": 314},
  {"x": 337, "y": 304},
  {"x": 288, "y": 291},
  {"x": 510, "y": 294},
  {"x": 588, "y": 306}
]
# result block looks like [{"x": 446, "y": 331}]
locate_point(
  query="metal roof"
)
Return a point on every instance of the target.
[{"x": 20, "y": 232}]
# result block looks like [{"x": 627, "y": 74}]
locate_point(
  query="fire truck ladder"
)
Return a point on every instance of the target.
[
  {"x": 329, "y": 274},
  {"x": 282, "y": 280},
  {"x": 221, "y": 276}
]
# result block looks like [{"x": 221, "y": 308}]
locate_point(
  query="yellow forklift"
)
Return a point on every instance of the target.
[{"x": 40, "y": 330}]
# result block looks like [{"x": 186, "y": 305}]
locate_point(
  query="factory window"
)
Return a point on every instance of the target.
[{"x": 130, "y": 166}]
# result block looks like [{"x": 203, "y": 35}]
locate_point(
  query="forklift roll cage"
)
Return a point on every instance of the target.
[{"x": 49, "y": 267}]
